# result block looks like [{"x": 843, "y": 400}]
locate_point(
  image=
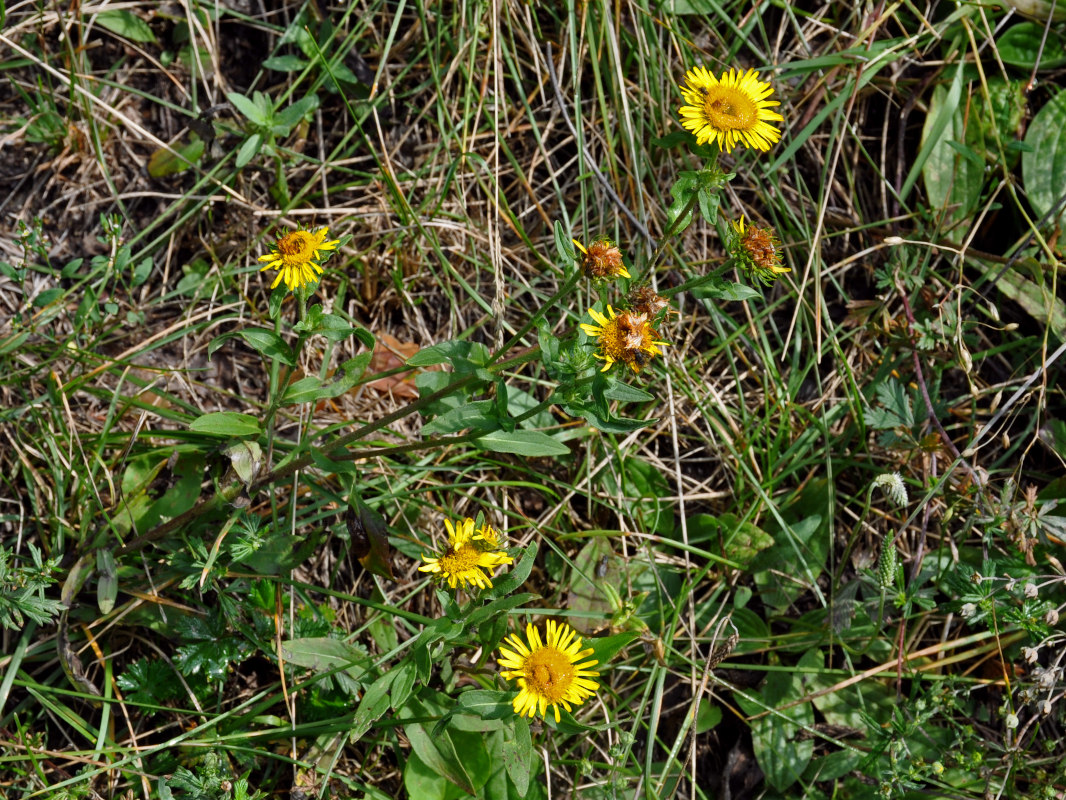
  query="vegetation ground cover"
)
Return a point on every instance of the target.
[{"x": 423, "y": 399}]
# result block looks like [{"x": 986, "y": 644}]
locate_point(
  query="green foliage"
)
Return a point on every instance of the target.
[
  {"x": 782, "y": 752},
  {"x": 699, "y": 189},
  {"x": 1043, "y": 160},
  {"x": 267, "y": 122},
  {"x": 209, "y": 781},
  {"x": 1024, "y": 42},
  {"x": 22, "y": 589},
  {"x": 812, "y": 544},
  {"x": 210, "y": 646},
  {"x": 149, "y": 682}
]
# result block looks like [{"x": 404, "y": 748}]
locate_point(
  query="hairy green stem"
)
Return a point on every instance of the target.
[
  {"x": 674, "y": 228},
  {"x": 570, "y": 283}
]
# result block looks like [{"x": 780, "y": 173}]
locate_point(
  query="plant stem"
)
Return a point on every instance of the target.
[
  {"x": 697, "y": 282},
  {"x": 570, "y": 283},
  {"x": 674, "y": 228}
]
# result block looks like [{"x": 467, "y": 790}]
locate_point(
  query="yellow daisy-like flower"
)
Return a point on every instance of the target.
[
  {"x": 602, "y": 260},
  {"x": 733, "y": 110},
  {"x": 757, "y": 252},
  {"x": 487, "y": 538},
  {"x": 295, "y": 256},
  {"x": 463, "y": 561},
  {"x": 626, "y": 337},
  {"x": 550, "y": 673}
]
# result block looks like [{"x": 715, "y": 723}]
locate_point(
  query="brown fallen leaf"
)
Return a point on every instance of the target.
[{"x": 390, "y": 353}]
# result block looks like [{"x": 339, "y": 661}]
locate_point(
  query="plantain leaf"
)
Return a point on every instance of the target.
[
  {"x": 1044, "y": 164},
  {"x": 226, "y": 423}
]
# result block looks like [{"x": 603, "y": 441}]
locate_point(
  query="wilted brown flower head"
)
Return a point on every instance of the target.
[
  {"x": 644, "y": 300},
  {"x": 602, "y": 260},
  {"x": 757, "y": 252},
  {"x": 631, "y": 330}
]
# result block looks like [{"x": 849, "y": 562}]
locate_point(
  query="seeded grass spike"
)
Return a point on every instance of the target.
[
  {"x": 732, "y": 110},
  {"x": 295, "y": 257},
  {"x": 549, "y": 673},
  {"x": 891, "y": 483},
  {"x": 627, "y": 338},
  {"x": 467, "y": 556}
]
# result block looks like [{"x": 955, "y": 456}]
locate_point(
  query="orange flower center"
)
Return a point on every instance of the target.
[
  {"x": 296, "y": 248},
  {"x": 728, "y": 109},
  {"x": 549, "y": 673}
]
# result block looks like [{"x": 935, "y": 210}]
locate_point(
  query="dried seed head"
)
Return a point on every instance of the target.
[
  {"x": 1046, "y": 678},
  {"x": 631, "y": 327},
  {"x": 723, "y": 650},
  {"x": 644, "y": 300},
  {"x": 602, "y": 261}
]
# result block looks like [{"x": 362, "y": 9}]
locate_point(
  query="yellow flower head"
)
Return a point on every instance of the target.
[
  {"x": 733, "y": 110},
  {"x": 757, "y": 251},
  {"x": 625, "y": 337},
  {"x": 602, "y": 260},
  {"x": 487, "y": 538},
  {"x": 295, "y": 257},
  {"x": 463, "y": 561},
  {"x": 550, "y": 673}
]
